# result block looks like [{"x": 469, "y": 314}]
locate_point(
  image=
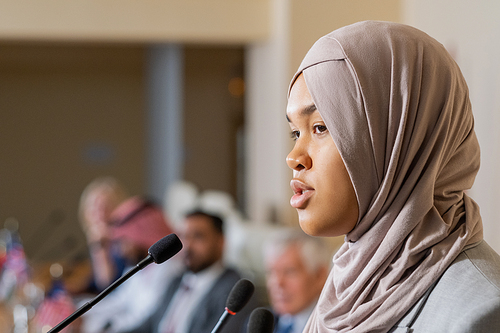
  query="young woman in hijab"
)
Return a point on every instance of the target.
[{"x": 385, "y": 150}]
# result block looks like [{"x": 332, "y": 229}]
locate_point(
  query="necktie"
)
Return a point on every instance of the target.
[
  {"x": 286, "y": 328},
  {"x": 176, "y": 307}
]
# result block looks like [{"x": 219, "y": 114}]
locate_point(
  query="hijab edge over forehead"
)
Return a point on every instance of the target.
[{"x": 312, "y": 59}]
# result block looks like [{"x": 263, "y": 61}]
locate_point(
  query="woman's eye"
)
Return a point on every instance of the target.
[
  {"x": 320, "y": 129},
  {"x": 294, "y": 135}
]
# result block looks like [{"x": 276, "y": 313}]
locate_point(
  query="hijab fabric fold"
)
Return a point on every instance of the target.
[{"x": 397, "y": 107}]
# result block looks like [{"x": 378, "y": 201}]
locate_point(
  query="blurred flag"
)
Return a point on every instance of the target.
[
  {"x": 13, "y": 264},
  {"x": 3, "y": 255},
  {"x": 56, "y": 306}
]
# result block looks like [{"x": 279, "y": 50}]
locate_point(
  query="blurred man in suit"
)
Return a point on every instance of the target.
[
  {"x": 196, "y": 298},
  {"x": 297, "y": 266}
]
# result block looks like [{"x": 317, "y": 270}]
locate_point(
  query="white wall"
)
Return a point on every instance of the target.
[
  {"x": 469, "y": 30},
  {"x": 266, "y": 128}
]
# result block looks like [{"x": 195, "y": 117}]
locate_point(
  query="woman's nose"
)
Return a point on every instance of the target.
[{"x": 298, "y": 159}]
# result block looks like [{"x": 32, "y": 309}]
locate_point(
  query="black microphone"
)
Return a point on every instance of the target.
[
  {"x": 159, "y": 252},
  {"x": 237, "y": 299},
  {"x": 261, "y": 321}
]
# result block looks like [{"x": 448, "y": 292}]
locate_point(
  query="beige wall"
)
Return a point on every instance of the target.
[
  {"x": 206, "y": 21},
  {"x": 68, "y": 113},
  {"x": 212, "y": 116},
  {"x": 311, "y": 19}
]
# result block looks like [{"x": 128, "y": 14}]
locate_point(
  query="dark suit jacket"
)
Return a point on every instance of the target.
[{"x": 207, "y": 312}]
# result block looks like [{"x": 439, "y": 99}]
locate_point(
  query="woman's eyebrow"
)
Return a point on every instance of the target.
[{"x": 308, "y": 110}]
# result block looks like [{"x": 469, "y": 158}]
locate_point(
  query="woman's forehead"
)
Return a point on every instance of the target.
[{"x": 300, "y": 101}]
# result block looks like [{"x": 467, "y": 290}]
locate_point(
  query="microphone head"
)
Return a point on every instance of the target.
[
  {"x": 240, "y": 295},
  {"x": 165, "y": 248},
  {"x": 261, "y": 321}
]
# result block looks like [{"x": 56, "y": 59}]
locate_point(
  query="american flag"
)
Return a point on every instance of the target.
[
  {"x": 15, "y": 269},
  {"x": 55, "y": 308}
]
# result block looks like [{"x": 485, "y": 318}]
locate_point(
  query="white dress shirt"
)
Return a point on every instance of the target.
[
  {"x": 132, "y": 302},
  {"x": 193, "y": 288}
]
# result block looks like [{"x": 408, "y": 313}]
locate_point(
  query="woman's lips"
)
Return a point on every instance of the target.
[{"x": 302, "y": 193}]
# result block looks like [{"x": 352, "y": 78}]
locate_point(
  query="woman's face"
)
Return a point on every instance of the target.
[{"x": 323, "y": 193}]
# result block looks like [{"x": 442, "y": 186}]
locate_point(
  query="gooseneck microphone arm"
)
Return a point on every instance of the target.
[
  {"x": 87, "y": 306},
  {"x": 222, "y": 320},
  {"x": 159, "y": 252}
]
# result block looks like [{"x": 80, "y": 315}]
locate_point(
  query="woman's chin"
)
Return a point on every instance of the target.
[
  {"x": 318, "y": 228},
  {"x": 311, "y": 228}
]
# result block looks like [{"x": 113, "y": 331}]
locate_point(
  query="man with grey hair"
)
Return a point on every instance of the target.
[{"x": 297, "y": 266}]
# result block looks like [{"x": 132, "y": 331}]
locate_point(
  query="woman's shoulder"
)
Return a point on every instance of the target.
[
  {"x": 465, "y": 299},
  {"x": 476, "y": 270}
]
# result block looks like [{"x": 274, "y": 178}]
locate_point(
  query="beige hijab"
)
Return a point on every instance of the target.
[{"x": 398, "y": 109}]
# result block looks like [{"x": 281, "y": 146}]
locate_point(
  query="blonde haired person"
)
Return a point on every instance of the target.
[{"x": 97, "y": 201}]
